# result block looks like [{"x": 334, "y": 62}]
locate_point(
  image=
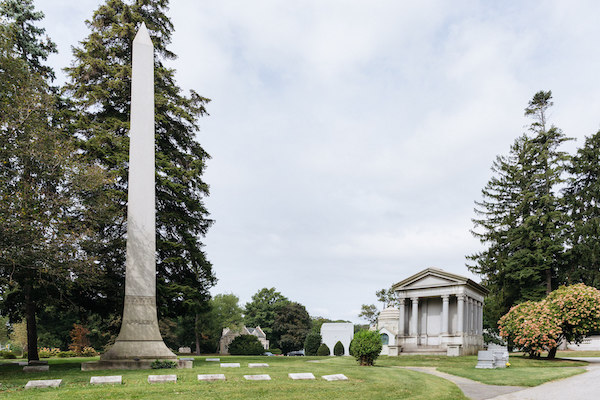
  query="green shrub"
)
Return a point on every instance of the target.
[
  {"x": 7, "y": 355},
  {"x": 88, "y": 352},
  {"x": 312, "y": 343},
  {"x": 163, "y": 364},
  {"x": 65, "y": 354},
  {"x": 247, "y": 345},
  {"x": 323, "y": 350},
  {"x": 338, "y": 349},
  {"x": 350, "y": 348},
  {"x": 275, "y": 351},
  {"x": 366, "y": 347}
]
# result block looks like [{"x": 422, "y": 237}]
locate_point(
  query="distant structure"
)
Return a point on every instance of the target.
[
  {"x": 228, "y": 335},
  {"x": 333, "y": 332},
  {"x": 439, "y": 312}
]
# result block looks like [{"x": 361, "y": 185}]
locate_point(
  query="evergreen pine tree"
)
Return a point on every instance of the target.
[
  {"x": 582, "y": 198},
  {"x": 520, "y": 219},
  {"x": 41, "y": 176},
  {"x": 99, "y": 86}
]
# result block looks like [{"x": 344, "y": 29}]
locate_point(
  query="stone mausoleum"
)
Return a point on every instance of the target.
[
  {"x": 438, "y": 312},
  {"x": 228, "y": 335}
]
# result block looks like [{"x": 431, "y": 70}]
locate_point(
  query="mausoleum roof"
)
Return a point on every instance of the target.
[{"x": 435, "y": 277}]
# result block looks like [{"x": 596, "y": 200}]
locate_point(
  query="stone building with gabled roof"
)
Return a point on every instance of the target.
[
  {"x": 228, "y": 335},
  {"x": 438, "y": 312}
]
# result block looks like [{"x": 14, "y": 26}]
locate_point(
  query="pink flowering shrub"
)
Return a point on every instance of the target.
[
  {"x": 578, "y": 309},
  {"x": 570, "y": 312},
  {"x": 531, "y": 327}
]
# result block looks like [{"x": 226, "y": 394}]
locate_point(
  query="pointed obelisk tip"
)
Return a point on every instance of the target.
[{"x": 143, "y": 37}]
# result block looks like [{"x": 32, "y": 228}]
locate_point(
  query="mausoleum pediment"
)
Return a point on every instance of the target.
[{"x": 433, "y": 277}]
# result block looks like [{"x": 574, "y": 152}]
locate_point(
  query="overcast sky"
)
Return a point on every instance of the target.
[{"x": 350, "y": 139}]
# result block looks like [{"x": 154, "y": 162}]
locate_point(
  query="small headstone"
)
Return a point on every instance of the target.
[
  {"x": 485, "y": 359},
  {"x": 38, "y": 362},
  {"x": 213, "y": 359},
  {"x": 257, "y": 365},
  {"x": 500, "y": 354},
  {"x": 257, "y": 377},
  {"x": 162, "y": 378},
  {"x": 301, "y": 376},
  {"x": 22, "y": 363},
  {"x": 454, "y": 350},
  {"x": 185, "y": 350},
  {"x": 43, "y": 383},
  {"x": 186, "y": 358},
  {"x": 314, "y": 361},
  {"x": 101, "y": 380},
  {"x": 336, "y": 377},
  {"x": 211, "y": 377},
  {"x": 36, "y": 368},
  {"x": 230, "y": 365}
]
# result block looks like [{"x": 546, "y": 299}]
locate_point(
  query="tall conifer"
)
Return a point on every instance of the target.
[
  {"x": 582, "y": 198},
  {"x": 521, "y": 219}
]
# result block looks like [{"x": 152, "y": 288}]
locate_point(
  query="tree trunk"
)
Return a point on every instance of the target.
[
  {"x": 552, "y": 352},
  {"x": 30, "y": 311},
  {"x": 197, "y": 336},
  {"x": 548, "y": 281}
]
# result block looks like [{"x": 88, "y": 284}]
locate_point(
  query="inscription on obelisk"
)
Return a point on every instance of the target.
[{"x": 140, "y": 337}]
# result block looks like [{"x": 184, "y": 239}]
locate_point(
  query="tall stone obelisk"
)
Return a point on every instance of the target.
[{"x": 140, "y": 338}]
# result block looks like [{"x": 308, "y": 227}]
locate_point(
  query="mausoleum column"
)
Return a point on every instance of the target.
[
  {"x": 401, "y": 320},
  {"x": 461, "y": 312},
  {"x": 469, "y": 315},
  {"x": 414, "y": 320},
  {"x": 445, "y": 309},
  {"x": 480, "y": 317}
]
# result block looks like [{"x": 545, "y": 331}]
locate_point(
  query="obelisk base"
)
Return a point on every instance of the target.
[
  {"x": 127, "y": 364},
  {"x": 134, "y": 354}
]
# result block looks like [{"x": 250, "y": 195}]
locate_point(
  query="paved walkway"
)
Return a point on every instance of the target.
[
  {"x": 582, "y": 386},
  {"x": 472, "y": 389}
]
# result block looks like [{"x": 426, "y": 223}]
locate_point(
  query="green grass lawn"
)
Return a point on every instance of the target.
[
  {"x": 379, "y": 382},
  {"x": 384, "y": 381},
  {"x": 522, "y": 372}
]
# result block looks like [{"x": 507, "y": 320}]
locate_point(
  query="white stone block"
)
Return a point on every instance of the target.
[
  {"x": 186, "y": 358},
  {"x": 230, "y": 365},
  {"x": 301, "y": 376},
  {"x": 257, "y": 377},
  {"x": 213, "y": 359},
  {"x": 185, "y": 350},
  {"x": 257, "y": 365},
  {"x": 101, "y": 380},
  {"x": 36, "y": 368},
  {"x": 211, "y": 377},
  {"x": 336, "y": 377},
  {"x": 43, "y": 383},
  {"x": 162, "y": 378}
]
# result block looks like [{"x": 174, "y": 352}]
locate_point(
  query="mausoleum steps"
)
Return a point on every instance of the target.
[{"x": 424, "y": 350}]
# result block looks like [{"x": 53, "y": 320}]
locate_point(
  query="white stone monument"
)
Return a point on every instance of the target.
[
  {"x": 333, "y": 332},
  {"x": 139, "y": 341}
]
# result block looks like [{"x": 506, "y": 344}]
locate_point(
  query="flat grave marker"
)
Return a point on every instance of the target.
[
  {"x": 257, "y": 365},
  {"x": 43, "y": 383},
  {"x": 257, "y": 377},
  {"x": 230, "y": 365},
  {"x": 211, "y": 377},
  {"x": 213, "y": 359},
  {"x": 36, "y": 368},
  {"x": 302, "y": 376},
  {"x": 162, "y": 378},
  {"x": 102, "y": 380},
  {"x": 336, "y": 377}
]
